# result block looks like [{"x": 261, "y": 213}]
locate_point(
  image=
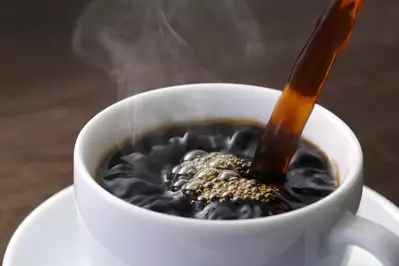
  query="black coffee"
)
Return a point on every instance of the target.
[{"x": 201, "y": 171}]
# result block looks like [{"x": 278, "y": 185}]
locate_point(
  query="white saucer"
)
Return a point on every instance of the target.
[{"x": 47, "y": 237}]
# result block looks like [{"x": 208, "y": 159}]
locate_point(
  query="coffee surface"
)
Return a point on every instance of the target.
[{"x": 201, "y": 171}]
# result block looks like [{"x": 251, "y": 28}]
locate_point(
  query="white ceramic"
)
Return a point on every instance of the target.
[
  {"x": 113, "y": 232},
  {"x": 49, "y": 235}
]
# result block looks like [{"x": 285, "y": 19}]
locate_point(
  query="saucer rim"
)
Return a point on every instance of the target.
[
  {"x": 24, "y": 225},
  {"x": 385, "y": 204}
]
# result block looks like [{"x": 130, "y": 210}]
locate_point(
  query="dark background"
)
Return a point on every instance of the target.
[{"x": 47, "y": 94}]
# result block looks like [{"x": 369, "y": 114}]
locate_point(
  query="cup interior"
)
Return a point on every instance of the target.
[{"x": 141, "y": 113}]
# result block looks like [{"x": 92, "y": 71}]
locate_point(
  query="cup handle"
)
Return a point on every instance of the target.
[{"x": 376, "y": 239}]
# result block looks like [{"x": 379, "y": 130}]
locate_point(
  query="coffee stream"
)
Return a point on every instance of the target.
[{"x": 280, "y": 140}]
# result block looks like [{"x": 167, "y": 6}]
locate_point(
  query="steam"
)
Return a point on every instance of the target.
[{"x": 148, "y": 44}]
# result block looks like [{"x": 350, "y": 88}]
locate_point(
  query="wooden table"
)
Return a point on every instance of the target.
[{"x": 47, "y": 94}]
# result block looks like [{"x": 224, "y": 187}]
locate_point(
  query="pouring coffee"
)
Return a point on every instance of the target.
[
  {"x": 182, "y": 172},
  {"x": 239, "y": 169}
]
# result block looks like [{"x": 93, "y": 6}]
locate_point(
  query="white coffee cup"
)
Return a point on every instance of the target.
[{"x": 116, "y": 233}]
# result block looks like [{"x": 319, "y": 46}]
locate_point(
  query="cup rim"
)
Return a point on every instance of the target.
[{"x": 350, "y": 178}]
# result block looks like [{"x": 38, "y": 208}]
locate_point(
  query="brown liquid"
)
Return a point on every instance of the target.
[
  {"x": 328, "y": 40},
  {"x": 173, "y": 169}
]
